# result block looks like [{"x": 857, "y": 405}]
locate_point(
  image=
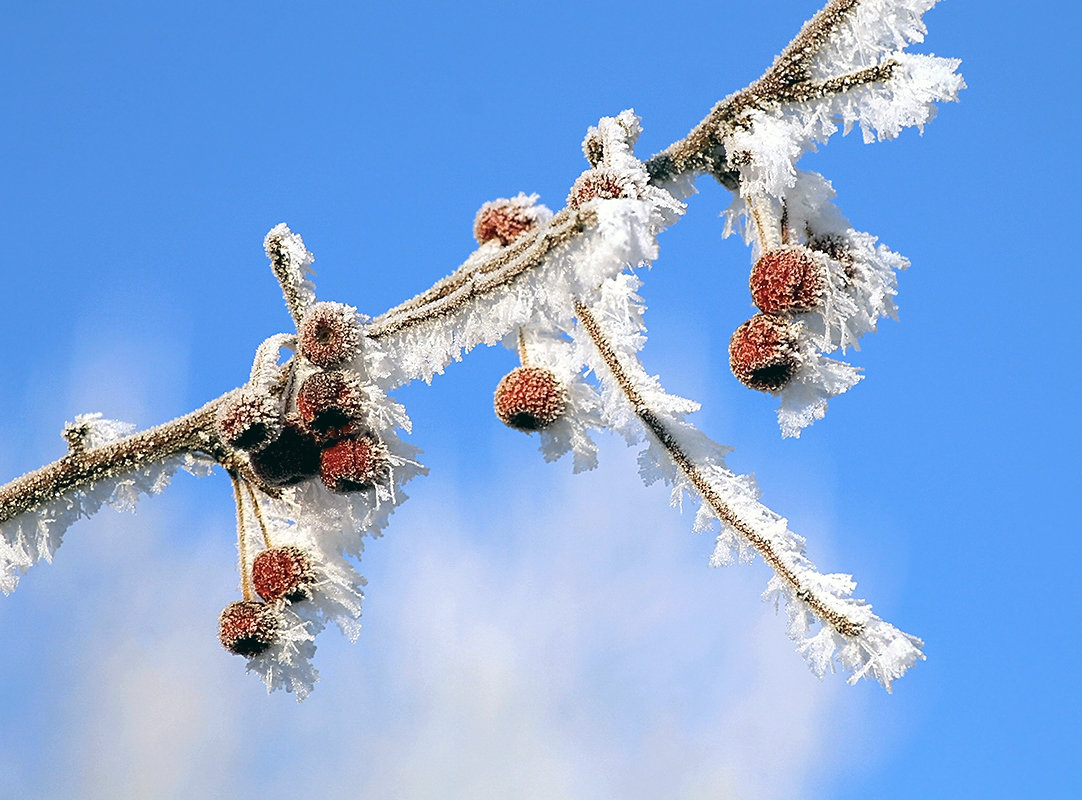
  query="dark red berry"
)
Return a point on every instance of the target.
[
  {"x": 530, "y": 398},
  {"x": 283, "y": 573},
  {"x": 330, "y": 403},
  {"x": 504, "y": 220},
  {"x": 763, "y": 353},
  {"x": 289, "y": 459},
  {"x": 249, "y": 419},
  {"x": 330, "y": 334},
  {"x": 353, "y": 465},
  {"x": 787, "y": 279},
  {"x": 248, "y": 628}
]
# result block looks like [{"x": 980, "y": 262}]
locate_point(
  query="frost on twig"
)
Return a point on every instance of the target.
[
  {"x": 34, "y": 534},
  {"x": 314, "y": 442}
]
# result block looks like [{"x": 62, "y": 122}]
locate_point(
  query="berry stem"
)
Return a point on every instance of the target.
[
  {"x": 258, "y": 514},
  {"x": 523, "y": 356},
  {"x": 657, "y": 428},
  {"x": 242, "y": 543}
]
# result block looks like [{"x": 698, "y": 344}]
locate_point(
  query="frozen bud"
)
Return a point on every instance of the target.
[
  {"x": 289, "y": 459},
  {"x": 330, "y": 403},
  {"x": 353, "y": 465},
  {"x": 249, "y": 419},
  {"x": 504, "y": 220},
  {"x": 603, "y": 183},
  {"x": 283, "y": 573},
  {"x": 330, "y": 334},
  {"x": 530, "y": 398},
  {"x": 787, "y": 279},
  {"x": 593, "y": 147},
  {"x": 763, "y": 352},
  {"x": 247, "y": 628}
]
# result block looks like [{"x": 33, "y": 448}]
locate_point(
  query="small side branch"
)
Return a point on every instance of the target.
[{"x": 656, "y": 426}]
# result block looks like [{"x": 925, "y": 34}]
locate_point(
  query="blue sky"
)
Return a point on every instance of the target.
[{"x": 529, "y": 633}]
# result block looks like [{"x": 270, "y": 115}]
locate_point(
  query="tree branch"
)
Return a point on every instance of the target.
[{"x": 193, "y": 432}]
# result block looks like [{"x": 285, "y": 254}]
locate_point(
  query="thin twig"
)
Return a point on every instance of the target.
[
  {"x": 656, "y": 427},
  {"x": 193, "y": 432}
]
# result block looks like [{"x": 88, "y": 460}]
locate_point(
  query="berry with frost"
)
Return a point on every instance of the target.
[
  {"x": 599, "y": 182},
  {"x": 763, "y": 352},
  {"x": 530, "y": 398},
  {"x": 289, "y": 459},
  {"x": 505, "y": 219},
  {"x": 330, "y": 403},
  {"x": 247, "y": 627},
  {"x": 353, "y": 465},
  {"x": 786, "y": 279},
  {"x": 249, "y": 419},
  {"x": 329, "y": 334},
  {"x": 283, "y": 573}
]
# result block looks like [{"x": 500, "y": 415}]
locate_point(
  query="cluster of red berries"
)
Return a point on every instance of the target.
[
  {"x": 530, "y": 398},
  {"x": 280, "y": 575},
  {"x": 321, "y": 430},
  {"x": 764, "y": 352}
]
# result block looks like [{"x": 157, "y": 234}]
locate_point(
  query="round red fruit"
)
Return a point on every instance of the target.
[
  {"x": 353, "y": 465},
  {"x": 283, "y": 573},
  {"x": 763, "y": 353},
  {"x": 530, "y": 399},
  {"x": 788, "y": 279},
  {"x": 248, "y": 628}
]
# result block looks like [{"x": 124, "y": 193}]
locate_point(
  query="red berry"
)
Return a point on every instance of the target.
[
  {"x": 786, "y": 279},
  {"x": 530, "y": 398},
  {"x": 330, "y": 403},
  {"x": 599, "y": 182},
  {"x": 506, "y": 219},
  {"x": 249, "y": 419},
  {"x": 353, "y": 465},
  {"x": 283, "y": 572},
  {"x": 330, "y": 334},
  {"x": 289, "y": 459},
  {"x": 247, "y": 628},
  {"x": 763, "y": 353}
]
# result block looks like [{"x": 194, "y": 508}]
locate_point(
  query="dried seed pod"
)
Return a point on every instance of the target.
[
  {"x": 248, "y": 628},
  {"x": 786, "y": 279},
  {"x": 289, "y": 459},
  {"x": 505, "y": 219},
  {"x": 283, "y": 573},
  {"x": 599, "y": 182},
  {"x": 353, "y": 465},
  {"x": 330, "y": 334},
  {"x": 530, "y": 398},
  {"x": 835, "y": 245},
  {"x": 331, "y": 404},
  {"x": 763, "y": 353},
  {"x": 249, "y": 419}
]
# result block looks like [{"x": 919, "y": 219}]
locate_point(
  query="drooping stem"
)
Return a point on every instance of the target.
[
  {"x": 657, "y": 428},
  {"x": 242, "y": 539},
  {"x": 258, "y": 514}
]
